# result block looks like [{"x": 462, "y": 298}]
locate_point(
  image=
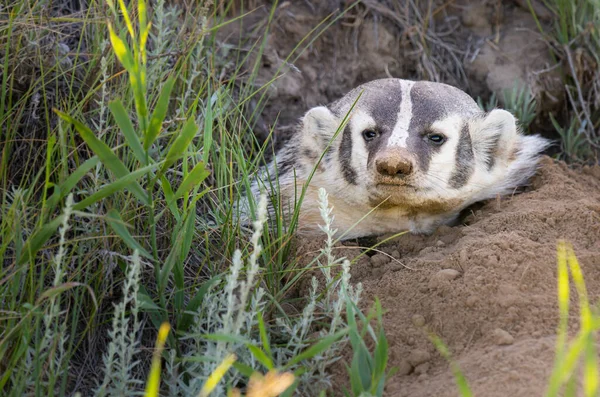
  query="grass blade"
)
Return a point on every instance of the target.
[
  {"x": 121, "y": 49},
  {"x": 37, "y": 240},
  {"x": 127, "y": 19},
  {"x": 317, "y": 348},
  {"x": 261, "y": 356},
  {"x": 218, "y": 374},
  {"x": 65, "y": 188},
  {"x": 158, "y": 116},
  {"x": 181, "y": 143},
  {"x": 127, "y": 181},
  {"x": 113, "y": 218},
  {"x": 124, "y": 123},
  {"x": 108, "y": 158},
  {"x": 461, "y": 381},
  {"x": 153, "y": 384},
  {"x": 196, "y": 176},
  {"x": 563, "y": 298},
  {"x": 590, "y": 366},
  {"x": 76, "y": 175},
  {"x": 170, "y": 197},
  {"x": 187, "y": 318},
  {"x": 263, "y": 333}
]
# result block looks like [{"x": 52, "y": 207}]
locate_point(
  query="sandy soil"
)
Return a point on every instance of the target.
[{"x": 487, "y": 288}]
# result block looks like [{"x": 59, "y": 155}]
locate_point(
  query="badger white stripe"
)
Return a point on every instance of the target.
[{"x": 400, "y": 132}]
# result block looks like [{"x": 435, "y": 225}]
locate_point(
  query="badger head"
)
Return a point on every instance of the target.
[{"x": 420, "y": 150}]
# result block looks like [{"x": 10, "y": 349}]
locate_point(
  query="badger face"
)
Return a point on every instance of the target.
[
  {"x": 407, "y": 143},
  {"x": 421, "y": 151}
]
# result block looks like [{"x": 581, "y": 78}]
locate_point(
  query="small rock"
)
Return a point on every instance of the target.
[
  {"x": 404, "y": 368},
  {"x": 422, "y": 369},
  {"x": 418, "y": 357},
  {"x": 418, "y": 320},
  {"x": 448, "y": 274},
  {"x": 551, "y": 222},
  {"x": 471, "y": 301},
  {"x": 396, "y": 254},
  {"x": 440, "y": 243},
  {"x": 502, "y": 338},
  {"x": 443, "y": 277},
  {"x": 427, "y": 250},
  {"x": 379, "y": 260}
]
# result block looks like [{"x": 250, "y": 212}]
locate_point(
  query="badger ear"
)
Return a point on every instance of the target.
[
  {"x": 495, "y": 137},
  {"x": 319, "y": 125}
]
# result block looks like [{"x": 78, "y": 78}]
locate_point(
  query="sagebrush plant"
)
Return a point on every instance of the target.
[
  {"x": 119, "y": 360},
  {"x": 231, "y": 320},
  {"x": 518, "y": 100}
]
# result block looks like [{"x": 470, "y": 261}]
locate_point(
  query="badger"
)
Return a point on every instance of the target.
[{"x": 398, "y": 155}]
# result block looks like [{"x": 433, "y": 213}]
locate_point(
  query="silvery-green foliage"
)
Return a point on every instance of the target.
[
  {"x": 329, "y": 308},
  {"x": 51, "y": 351},
  {"x": 228, "y": 309},
  {"x": 232, "y": 309},
  {"x": 163, "y": 41},
  {"x": 119, "y": 360},
  {"x": 100, "y": 124}
]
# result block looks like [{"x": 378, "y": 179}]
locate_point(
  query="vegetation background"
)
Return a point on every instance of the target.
[{"x": 128, "y": 132}]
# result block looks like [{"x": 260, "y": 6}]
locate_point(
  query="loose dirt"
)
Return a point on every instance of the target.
[{"x": 487, "y": 288}]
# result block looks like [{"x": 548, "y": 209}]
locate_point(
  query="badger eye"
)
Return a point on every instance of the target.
[
  {"x": 437, "y": 139},
  {"x": 369, "y": 135}
]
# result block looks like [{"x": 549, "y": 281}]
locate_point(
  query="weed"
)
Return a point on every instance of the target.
[
  {"x": 518, "y": 100},
  {"x": 574, "y": 38},
  {"x": 133, "y": 159},
  {"x": 573, "y": 143}
]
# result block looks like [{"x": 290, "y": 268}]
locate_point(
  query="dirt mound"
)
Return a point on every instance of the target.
[{"x": 487, "y": 288}]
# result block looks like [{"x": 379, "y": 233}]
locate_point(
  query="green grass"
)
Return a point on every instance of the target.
[
  {"x": 118, "y": 212},
  {"x": 574, "y": 41},
  {"x": 518, "y": 100}
]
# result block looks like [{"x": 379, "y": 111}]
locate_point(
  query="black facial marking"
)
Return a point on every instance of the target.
[
  {"x": 309, "y": 154},
  {"x": 463, "y": 160},
  {"x": 285, "y": 163},
  {"x": 426, "y": 109},
  {"x": 432, "y": 102},
  {"x": 345, "y": 156},
  {"x": 380, "y": 99},
  {"x": 491, "y": 152}
]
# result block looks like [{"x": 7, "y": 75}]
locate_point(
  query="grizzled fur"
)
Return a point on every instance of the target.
[{"x": 411, "y": 156}]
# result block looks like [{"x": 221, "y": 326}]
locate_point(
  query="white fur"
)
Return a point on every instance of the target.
[
  {"x": 353, "y": 212},
  {"x": 441, "y": 165},
  {"x": 400, "y": 133}
]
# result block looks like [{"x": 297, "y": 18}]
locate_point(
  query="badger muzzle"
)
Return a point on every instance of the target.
[{"x": 394, "y": 166}]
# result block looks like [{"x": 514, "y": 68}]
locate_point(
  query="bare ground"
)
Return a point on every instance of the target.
[{"x": 487, "y": 288}]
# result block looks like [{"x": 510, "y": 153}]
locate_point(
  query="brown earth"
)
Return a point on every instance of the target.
[{"x": 487, "y": 288}]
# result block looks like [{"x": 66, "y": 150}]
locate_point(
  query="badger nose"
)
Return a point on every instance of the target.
[{"x": 395, "y": 162}]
